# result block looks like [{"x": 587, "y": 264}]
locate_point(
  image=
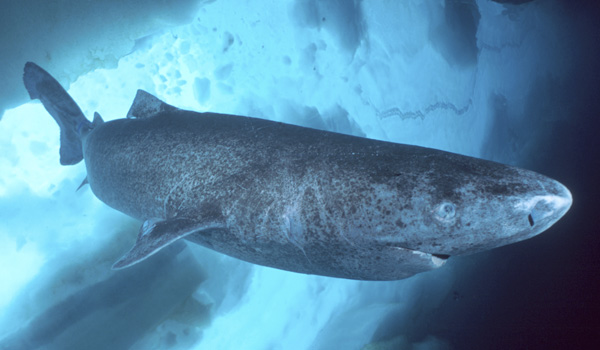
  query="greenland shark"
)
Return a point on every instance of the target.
[{"x": 295, "y": 198}]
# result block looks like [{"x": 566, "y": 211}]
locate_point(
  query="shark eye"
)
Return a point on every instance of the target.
[{"x": 445, "y": 211}]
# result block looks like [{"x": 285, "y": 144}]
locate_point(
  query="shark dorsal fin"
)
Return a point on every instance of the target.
[
  {"x": 146, "y": 105},
  {"x": 97, "y": 120}
]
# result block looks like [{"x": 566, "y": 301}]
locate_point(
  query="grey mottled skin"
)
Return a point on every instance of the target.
[{"x": 306, "y": 200}]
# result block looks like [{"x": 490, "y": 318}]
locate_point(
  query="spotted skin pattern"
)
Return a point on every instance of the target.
[
  {"x": 295, "y": 198},
  {"x": 306, "y": 200}
]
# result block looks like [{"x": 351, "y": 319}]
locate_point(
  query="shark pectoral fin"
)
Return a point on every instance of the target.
[{"x": 156, "y": 234}]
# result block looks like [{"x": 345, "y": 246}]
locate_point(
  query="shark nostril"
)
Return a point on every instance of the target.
[{"x": 530, "y": 218}]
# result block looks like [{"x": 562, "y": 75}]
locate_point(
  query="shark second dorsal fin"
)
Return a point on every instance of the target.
[
  {"x": 97, "y": 120},
  {"x": 146, "y": 105},
  {"x": 156, "y": 234}
]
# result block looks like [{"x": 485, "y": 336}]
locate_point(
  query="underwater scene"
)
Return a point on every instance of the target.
[{"x": 299, "y": 174}]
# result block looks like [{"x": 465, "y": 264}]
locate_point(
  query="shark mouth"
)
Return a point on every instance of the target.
[
  {"x": 438, "y": 259},
  {"x": 434, "y": 260},
  {"x": 441, "y": 256}
]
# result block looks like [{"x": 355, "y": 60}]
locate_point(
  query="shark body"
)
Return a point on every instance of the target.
[{"x": 296, "y": 198}]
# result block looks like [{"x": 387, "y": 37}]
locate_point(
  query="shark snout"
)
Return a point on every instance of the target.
[{"x": 547, "y": 208}]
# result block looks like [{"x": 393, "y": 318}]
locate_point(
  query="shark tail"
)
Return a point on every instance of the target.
[{"x": 69, "y": 117}]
